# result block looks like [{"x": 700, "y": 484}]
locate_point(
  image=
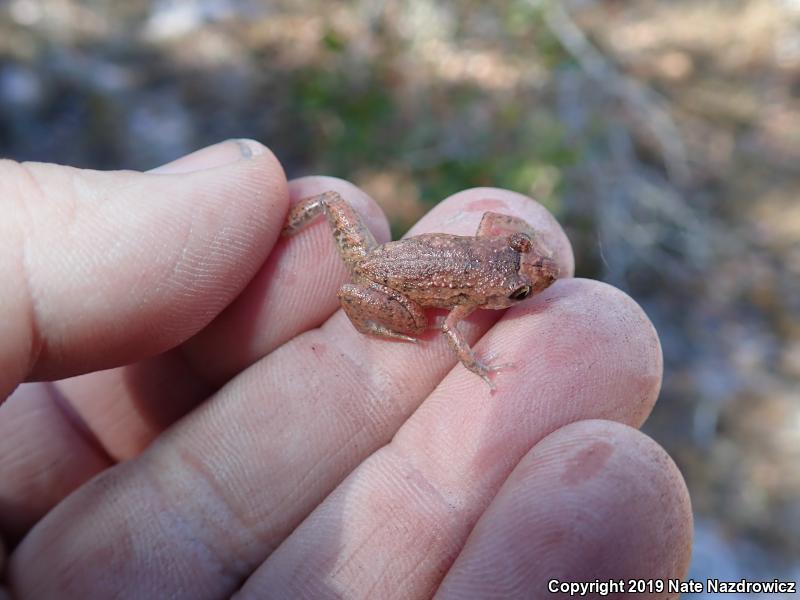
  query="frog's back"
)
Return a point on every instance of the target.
[{"x": 442, "y": 270}]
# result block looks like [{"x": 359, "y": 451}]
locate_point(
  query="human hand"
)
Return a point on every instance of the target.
[{"x": 305, "y": 459}]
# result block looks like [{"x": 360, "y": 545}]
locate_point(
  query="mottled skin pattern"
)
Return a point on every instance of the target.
[{"x": 394, "y": 282}]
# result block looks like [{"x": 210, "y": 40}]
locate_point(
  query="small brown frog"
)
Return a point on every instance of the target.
[{"x": 394, "y": 282}]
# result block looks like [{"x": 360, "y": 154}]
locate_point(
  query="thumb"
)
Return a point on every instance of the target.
[{"x": 99, "y": 269}]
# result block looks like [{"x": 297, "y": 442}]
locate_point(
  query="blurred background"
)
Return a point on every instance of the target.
[{"x": 665, "y": 135}]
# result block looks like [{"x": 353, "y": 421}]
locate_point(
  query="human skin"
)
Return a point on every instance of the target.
[{"x": 201, "y": 419}]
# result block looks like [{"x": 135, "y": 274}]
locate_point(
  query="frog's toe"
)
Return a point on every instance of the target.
[
  {"x": 485, "y": 366},
  {"x": 501, "y": 367},
  {"x": 484, "y": 370}
]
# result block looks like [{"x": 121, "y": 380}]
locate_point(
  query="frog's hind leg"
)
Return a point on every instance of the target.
[
  {"x": 499, "y": 225},
  {"x": 378, "y": 310},
  {"x": 353, "y": 238}
]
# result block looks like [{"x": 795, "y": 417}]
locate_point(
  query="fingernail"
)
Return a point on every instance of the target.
[{"x": 218, "y": 155}]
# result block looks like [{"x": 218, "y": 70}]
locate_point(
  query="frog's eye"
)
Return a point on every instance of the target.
[
  {"x": 520, "y": 293},
  {"x": 521, "y": 242}
]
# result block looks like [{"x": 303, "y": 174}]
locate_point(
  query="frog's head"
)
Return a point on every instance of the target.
[{"x": 536, "y": 265}]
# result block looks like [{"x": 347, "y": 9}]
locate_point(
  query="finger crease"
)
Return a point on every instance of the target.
[
  {"x": 37, "y": 340},
  {"x": 75, "y": 421},
  {"x": 234, "y": 566}
]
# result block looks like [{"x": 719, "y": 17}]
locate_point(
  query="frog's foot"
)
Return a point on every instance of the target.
[
  {"x": 302, "y": 213},
  {"x": 490, "y": 356},
  {"x": 484, "y": 369},
  {"x": 378, "y": 310}
]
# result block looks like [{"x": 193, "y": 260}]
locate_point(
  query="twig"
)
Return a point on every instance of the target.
[{"x": 642, "y": 101}]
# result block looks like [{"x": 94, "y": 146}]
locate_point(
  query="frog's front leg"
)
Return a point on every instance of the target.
[
  {"x": 353, "y": 238},
  {"x": 462, "y": 349},
  {"x": 375, "y": 309}
]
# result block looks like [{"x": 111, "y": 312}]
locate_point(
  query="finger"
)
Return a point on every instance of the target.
[
  {"x": 404, "y": 514},
  {"x": 127, "y": 407},
  {"x": 594, "y": 500},
  {"x": 48, "y": 448},
  {"x": 237, "y": 474},
  {"x": 46, "y": 453},
  {"x": 107, "y": 268},
  {"x": 4, "y": 593}
]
